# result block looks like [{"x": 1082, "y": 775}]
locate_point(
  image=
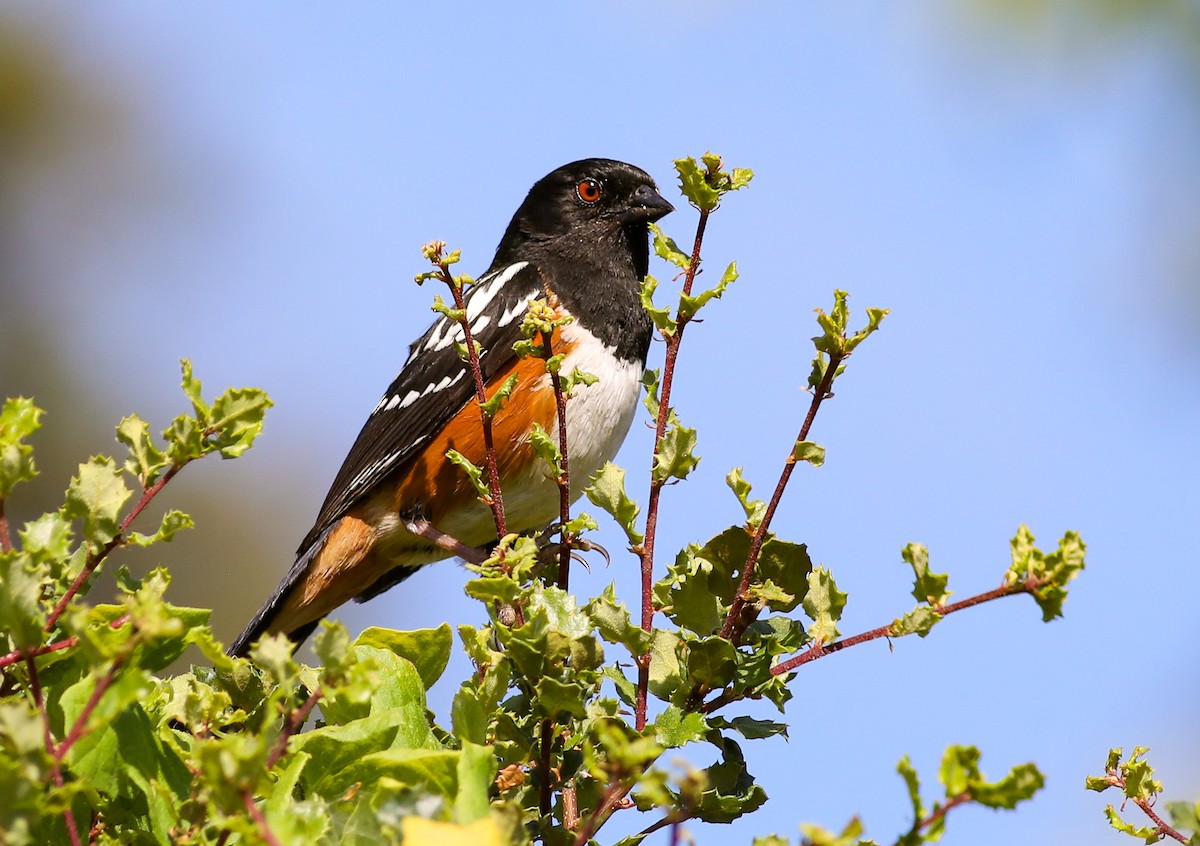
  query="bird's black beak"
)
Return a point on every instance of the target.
[{"x": 645, "y": 206}]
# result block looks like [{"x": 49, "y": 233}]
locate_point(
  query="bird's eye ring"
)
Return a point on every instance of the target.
[{"x": 588, "y": 190}]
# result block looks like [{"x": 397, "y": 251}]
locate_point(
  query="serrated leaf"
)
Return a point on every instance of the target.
[
  {"x": 661, "y": 317},
  {"x": 928, "y": 587},
  {"x": 711, "y": 662},
  {"x": 808, "y": 451},
  {"x": 689, "y": 305},
  {"x": 193, "y": 390},
  {"x": 1021, "y": 784},
  {"x": 1147, "y": 833},
  {"x": 615, "y": 624},
  {"x": 694, "y": 184},
  {"x": 237, "y": 420},
  {"x": 95, "y": 496},
  {"x": 675, "y": 457},
  {"x": 546, "y": 448},
  {"x": 19, "y": 418},
  {"x": 750, "y": 728},
  {"x": 606, "y": 490},
  {"x": 145, "y": 460},
  {"x": 21, "y": 617},
  {"x": 920, "y": 621},
  {"x": 474, "y": 473},
  {"x": 172, "y": 522},
  {"x": 823, "y": 603},
  {"x": 754, "y": 508},
  {"x": 674, "y": 727},
  {"x": 501, "y": 395},
  {"x": 666, "y": 248}
]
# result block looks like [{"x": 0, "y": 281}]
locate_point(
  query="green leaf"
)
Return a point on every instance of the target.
[
  {"x": 172, "y": 522},
  {"x": 193, "y": 390},
  {"x": 689, "y": 305},
  {"x": 665, "y": 673},
  {"x": 674, "y": 728},
  {"x": 546, "y": 448},
  {"x": 237, "y": 420},
  {"x": 145, "y": 460},
  {"x": 920, "y": 621},
  {"x": 913, "y": 784},
  {"x": 21, "y": 617},
  {"x": 675, "y": 457},
  {"x": 1147, "y": 833},
  {"x": 731, "y": 790},
  {"x": 786, "y": 565},
  {"x": 814, "y": 454},
  {"x": 750, "y": 728},
  {"x": 428, "y": 650},
  {"x": 614, "y": 623},
  {"x": 823, "y": 603},
  {"x": 661, "y": 317},
  {"x": 1020, "y": 785},
  {"x": 606, "y": 490},
  {"x": 467, "y": 716},
  {"x": 928, "y": 587},
  {"x": 474, "y": 473},
  {"x": 19, "y": 418},
  {"x": 501, "y": 395},
  {"x": 96, "y": 495},
  {"x": 711, "y": 662},
  {"x": 754, "y": 508},
  {"x": 666, "y": 248},
  {"x": 694, "y": 185}
]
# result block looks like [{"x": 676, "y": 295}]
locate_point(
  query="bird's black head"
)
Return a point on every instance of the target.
[{"x": 587, "y": 200}]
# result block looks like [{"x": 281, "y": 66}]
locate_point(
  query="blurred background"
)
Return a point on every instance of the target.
[{"x": 1018, "y": 181}]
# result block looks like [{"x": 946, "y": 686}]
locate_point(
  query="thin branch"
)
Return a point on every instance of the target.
[
  {"x": 609, "y": 802},
  {"x": 922, "y": 824},
  {"x": 96, "y": 558},
  {"x": 820, "y": 394},
  {"x": 257, "y": 815},
  {"x": 294, "y": 723},
  {"x": 1117, "y": 780},
  {"x": 1159, "y": 822},
  {"x": 544, "y": 775},
  {"x": 5, "y": 538},
  {"x": 35, "y": 687},
  {"x": 495, "y": 500},
  {"x": 820, "y": 650},
  {"x": 77, "y": 730},
  {"x": 656, "y": 485},
  {"x": 66, "y": 643},
  {"x": 564, "y": 478}
]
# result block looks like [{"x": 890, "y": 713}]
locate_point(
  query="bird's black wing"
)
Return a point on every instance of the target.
[{"x": 432, "y": 387}]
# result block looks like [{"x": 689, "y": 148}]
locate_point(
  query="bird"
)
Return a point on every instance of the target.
[{"x": 580, "y": 242}]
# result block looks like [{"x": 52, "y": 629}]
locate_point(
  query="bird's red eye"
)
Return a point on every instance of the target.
[{"x": 588, "y": 190}]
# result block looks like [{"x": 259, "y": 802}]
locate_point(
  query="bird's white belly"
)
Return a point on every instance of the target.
[{"x": 598, "y": 418}]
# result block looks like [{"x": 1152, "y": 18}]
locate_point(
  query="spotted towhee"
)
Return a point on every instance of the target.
[{"x": 579, "y": 240}]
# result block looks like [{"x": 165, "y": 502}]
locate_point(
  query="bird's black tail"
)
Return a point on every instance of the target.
[{"x": 260, "y": 624}]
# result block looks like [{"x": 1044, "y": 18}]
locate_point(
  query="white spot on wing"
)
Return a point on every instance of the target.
[
  {"x": 409, "y": 399},
  {"x": 392, "y": 403},
  {"x": 484, "y": 294},
  {"x": 517, "y": 309},
  {"x": 480, "y": 324}
]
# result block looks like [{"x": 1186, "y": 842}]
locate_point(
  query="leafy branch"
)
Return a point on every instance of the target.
[{"x": 1134, "y": 777}]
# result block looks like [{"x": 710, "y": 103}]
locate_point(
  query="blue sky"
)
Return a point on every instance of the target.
[{"x": 1014, "y": 203}]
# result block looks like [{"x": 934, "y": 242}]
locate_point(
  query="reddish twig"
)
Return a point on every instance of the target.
[
  {"x": 609, "y": 802},
  {"x": 652, "y": 504},
  {"x": 77, "y": 730},
  {"x": 66, "y": 643},
  {"x": 257, "y": 815},
  {"x": 544, "y": 775},
  {"x": 5, "y": 538},
  {"x": 96, "y": 558},
  {"x": 1165, "y": 828},
  {"x": 35, "y": 687},
  {"x": 820, "y": 650},
  {"x": 820, "y": 394},
  {"x": 495, "y": 500},
  {"x": 294, "y": 723},
  {"x": 953, "y": 802},
  {"x": 564, "y": 479}
]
